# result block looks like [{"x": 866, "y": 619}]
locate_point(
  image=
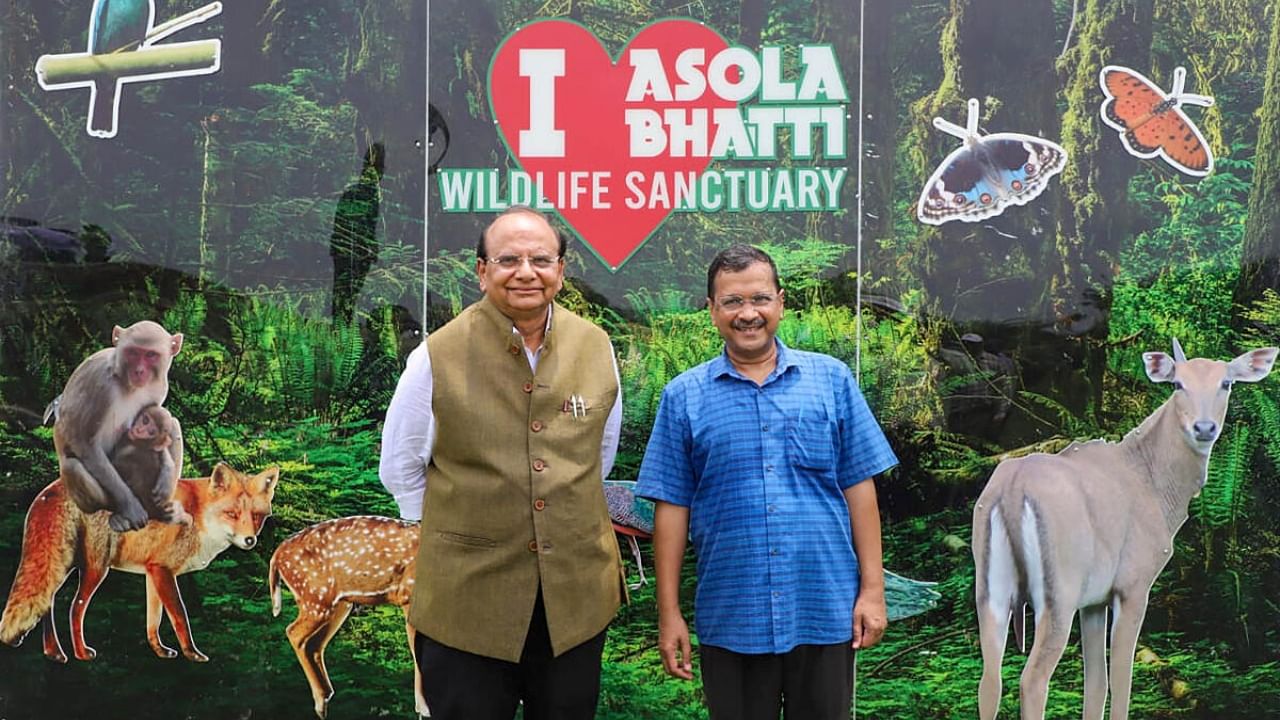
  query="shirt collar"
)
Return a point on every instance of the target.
[
  {"x": 721, "y": 365},
  {"x": 547, "y": 329}
]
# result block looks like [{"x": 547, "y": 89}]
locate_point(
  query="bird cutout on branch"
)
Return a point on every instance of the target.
[
  {"x": 988, "y": 173},
  {"x": 1151, "y": 123},
  {"x": 122, "y": 49}
]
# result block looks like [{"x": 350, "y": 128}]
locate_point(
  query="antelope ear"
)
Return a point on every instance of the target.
[
  {"x": 1253, "y": 365},
  {"x": 1159, "y": 366}
]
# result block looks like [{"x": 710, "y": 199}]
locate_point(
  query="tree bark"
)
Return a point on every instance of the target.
[
  {"x": 996, "y": 51},
  {"x": 990, "y": 278},
  {"x": 1260, "y": 261},
  {"x": 1095, "y": 218}
]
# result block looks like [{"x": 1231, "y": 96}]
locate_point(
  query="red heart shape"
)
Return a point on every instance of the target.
[{"x": 589, "y": 108}]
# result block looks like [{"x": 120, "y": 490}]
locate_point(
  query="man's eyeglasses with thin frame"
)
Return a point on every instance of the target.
[
  {"x": 511, "y": 262},
  {"x": 734, "y": 303}
]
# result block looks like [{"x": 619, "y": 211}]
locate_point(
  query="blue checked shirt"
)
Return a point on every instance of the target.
[{"x": 762, "y": 469}]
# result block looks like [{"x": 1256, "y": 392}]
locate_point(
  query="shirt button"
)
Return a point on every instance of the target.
[
  {"x": 539, "y": 465},
  {"x": 773, "y": 508},
  {"x": 536, "y": 426},
  {"x": 539, "y": 504},
  {"x": 773, "y": 551},
  {"x": 777, "y": 595},
  {"x": 528, "y": 387},
  {"x": 764, "y": 428},
  {"x": 533, "y": 546},
  {"x": 768, "y": 468}
]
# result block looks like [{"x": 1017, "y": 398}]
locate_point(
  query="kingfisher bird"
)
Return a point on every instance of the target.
[
  {"x": 119, "y": 25},
  {"x": 115, "y": 26}
]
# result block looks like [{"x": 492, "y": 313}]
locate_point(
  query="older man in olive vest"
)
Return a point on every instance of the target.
[{"x": 501, "y": 428}]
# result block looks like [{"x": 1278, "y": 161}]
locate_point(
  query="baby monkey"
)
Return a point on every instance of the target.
[{"x": 146, "y": 464}]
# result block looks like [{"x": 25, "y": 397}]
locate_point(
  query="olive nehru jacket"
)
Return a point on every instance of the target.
[{"x": 513, "y": 496}]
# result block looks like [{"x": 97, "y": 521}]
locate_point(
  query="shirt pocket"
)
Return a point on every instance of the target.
[{"x": 811, "y": 445}]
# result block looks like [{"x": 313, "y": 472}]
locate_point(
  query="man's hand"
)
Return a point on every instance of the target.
[
  {"x": 870, "y": 618},
  {"x": 673, "y": 643}
]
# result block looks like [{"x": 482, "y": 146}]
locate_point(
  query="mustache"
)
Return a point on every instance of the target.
[{"x": 748, "y": 325}]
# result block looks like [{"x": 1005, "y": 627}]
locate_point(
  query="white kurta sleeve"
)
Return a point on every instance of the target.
[{"x": 408, "y": 435}]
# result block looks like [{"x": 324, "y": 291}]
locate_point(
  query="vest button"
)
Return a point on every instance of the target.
[
  {"x": 533, "y": 546},
  {"x": 513, "y": 350},
  {"x": 528, "y": 387},
  {"x": 539, "y": 504},
  {"x": 539, "y": 465},
  {"x": 536, "y": 426}
]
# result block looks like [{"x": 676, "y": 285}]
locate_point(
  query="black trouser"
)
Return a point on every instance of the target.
[
  {"x": 811, "y": 682},
  {"x": 460, "y": 685}
]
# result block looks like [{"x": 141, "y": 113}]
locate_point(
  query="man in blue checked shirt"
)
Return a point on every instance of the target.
[{"x": 764, "y": 457}]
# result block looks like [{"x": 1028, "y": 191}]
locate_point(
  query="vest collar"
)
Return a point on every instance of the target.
[{"x": 515, "y": 341}]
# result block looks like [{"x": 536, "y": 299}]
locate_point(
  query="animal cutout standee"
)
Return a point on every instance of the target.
[
  {"x": 632, "y": 518},
  {"x": 228, "y": 507},
  {"x": 331, "y": 567},
  {"x": 100, "y": 402},
  {"x": 988, "y": 174},
  {"x": 1151, "y": 123},
  {"x": 1090, "y": 528},
  {"x": 124, "y": 47}
]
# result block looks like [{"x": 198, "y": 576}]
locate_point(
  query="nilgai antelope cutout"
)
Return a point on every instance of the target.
[
  {"x": 1090, "y": 528},
  {"x": 332, "y": 566}
]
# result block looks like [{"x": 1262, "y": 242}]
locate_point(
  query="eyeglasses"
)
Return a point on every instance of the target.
[
  {"x": 511, "y": 262},
  {"x": 734, "y": 303}
]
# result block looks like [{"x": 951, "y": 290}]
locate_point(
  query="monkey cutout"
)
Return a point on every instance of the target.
[
  {"x": 144, "y": 460},
  {"x": 99, "y": 405}
]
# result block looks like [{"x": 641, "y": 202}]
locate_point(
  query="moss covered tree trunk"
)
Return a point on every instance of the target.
[
  {"x": 1095, "y": 217},
  {"x": 1260, "y": 262},
  {"x": 1000, "y": 53},
  {"x": 991, "y": 277}
]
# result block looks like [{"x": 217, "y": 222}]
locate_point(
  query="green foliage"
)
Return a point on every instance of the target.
[
  {"x": 828, "y": 329},
  {"x": 801, "y": 264},
  {"x": 1191, "y": 303},
  {"x": 1202, "y": 222},
  {"x": 1223, "y": 497},
  {"x": 1177, "y": 280},
  {"x": 649, "y": 358},
  {"x": 300, "y": 366},
  {"x": 453, "y": 277},
  {"x": 652, "y": 303},
  {"x": 895, "y": 364}
]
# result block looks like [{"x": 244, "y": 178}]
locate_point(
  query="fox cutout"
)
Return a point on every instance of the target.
[{"x": 227, "y": 508}]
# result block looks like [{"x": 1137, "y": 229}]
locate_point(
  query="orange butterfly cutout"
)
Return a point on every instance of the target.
[{"x": 1151, "y": 123}]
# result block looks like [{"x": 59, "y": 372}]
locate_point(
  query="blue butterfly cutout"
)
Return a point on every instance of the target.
[{"x": 988, "y": 173}]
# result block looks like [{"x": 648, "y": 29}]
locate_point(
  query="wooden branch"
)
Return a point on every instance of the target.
[
  {"x": 53, "y": 70},
  {"x": 182, "y": 22}
]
